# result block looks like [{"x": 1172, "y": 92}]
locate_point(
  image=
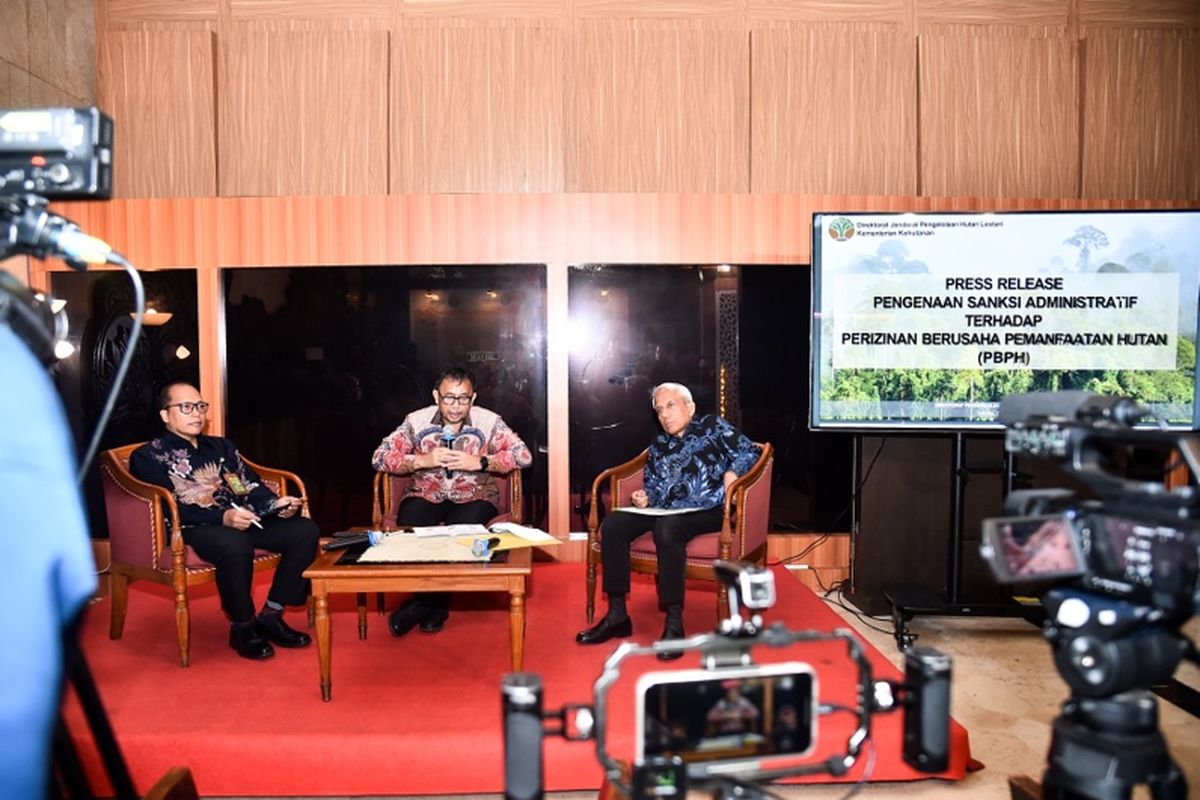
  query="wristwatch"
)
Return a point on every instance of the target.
[{"x": 483, "y": 462}]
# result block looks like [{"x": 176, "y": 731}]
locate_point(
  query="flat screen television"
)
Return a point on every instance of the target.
[{"x": 926, "y": 320}]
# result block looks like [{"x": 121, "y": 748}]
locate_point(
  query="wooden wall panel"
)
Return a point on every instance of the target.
[
  {"x": 1028, "y": 13},
  {"x": 477, "y": 107},
  {"x": 302, "y": 112},
  {"x": 123, "y": 11},
  {"x": 1141, "y": 121},
  {"x": 163, "y": 128},
  {"x": 833, "y": 111},
  {"x": 892, "y": 12},
  {"x": 999, "y": 116},
  {"x": 656, "y": 9},
  {"x": 328, "y": 10},
  {"x": 1140, "y": 13},
  {"x": 476, "y": 9},
  {"x": 658, "y": 106}
]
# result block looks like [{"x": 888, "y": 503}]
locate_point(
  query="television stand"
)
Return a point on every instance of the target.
[{"x": 910, "y": 599}]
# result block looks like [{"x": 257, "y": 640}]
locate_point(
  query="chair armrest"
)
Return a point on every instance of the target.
[
  {"x": 612, "y": 476},
  {"x": 735, "y": 494},
  {"x": 289, "y": 483}
]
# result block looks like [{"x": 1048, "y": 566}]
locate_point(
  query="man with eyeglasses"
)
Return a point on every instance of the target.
[
  {"x": 451, "y": 449},
  {"x": 226, "y": 513},
  {"x": 688, "y": 468}
]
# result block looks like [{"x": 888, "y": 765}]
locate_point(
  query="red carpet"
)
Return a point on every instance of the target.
[{"x": 417, "y": 715}]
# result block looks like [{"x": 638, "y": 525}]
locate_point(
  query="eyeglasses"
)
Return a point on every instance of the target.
[
  {"x": 456, "y": 399},
  {"x": 188, "y": 408}
]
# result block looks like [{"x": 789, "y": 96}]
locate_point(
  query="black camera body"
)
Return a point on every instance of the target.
[
  {"x": 732, "y": 722},
  {"x": 56, "y": 153},
  {"x": 1121, "y": 573}
]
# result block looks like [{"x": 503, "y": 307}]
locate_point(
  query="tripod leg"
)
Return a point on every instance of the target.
[
  {"x": 80, "y": 677},
  {"x": 1170, "y": 785}
]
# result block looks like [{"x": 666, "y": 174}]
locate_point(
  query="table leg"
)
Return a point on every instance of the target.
[
  {"x": 324, "y": 645},
  {"x": 516, "y": 625},
  {"x": 362, "y": 615}
]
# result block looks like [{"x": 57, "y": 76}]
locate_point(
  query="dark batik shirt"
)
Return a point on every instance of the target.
[
  {"x": 688, "y": 471},
  {"x": 206, "y": 479}
]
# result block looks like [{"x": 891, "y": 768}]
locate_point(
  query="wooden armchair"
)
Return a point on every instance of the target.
[
  {"x": 742, "y": 537},
  {"x": 389, "y": 490},
  {"x": 146, "y": 543}
]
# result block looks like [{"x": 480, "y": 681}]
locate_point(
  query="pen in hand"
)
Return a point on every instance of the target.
[{"x": 253, "y": 522}]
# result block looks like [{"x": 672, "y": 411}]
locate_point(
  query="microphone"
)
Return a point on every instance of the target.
[
  {"x": 32, "y": 230},
  {"x": 1074, "y": 405},
  {"x": 448, "y": 437}
]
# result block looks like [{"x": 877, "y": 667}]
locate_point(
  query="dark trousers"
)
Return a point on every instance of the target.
[
  {"x": 671, "y": 534},
  {"x": 419, "y": 511},
  {"x": 232, "y": 553}
]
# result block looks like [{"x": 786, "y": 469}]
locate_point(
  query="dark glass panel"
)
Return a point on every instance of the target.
[
  {"x": 632, "y": 327},
  {"x": 323, "y": 362},
  {"x": 813, "y": 471},
  {"x": 98, "y": 309},
  {"x": 736, "y": 337}
]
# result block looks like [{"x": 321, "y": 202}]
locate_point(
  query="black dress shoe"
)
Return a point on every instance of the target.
[
  {"x": 434, "y": 620},
  {"x": 672, "y": 630},
  {"x": 407, "y": 616},
  {"x": 272, "y": 628},
  {"x": 606, "y": 629},
  {"x": 249, "y": 644}
]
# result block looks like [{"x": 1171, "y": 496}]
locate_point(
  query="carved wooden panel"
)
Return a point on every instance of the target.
[
  {"x": 477, "y": 107},
  {"x": 658, "y": 105},
  {"x": 302, "y": 111},
  {"x": 999, "y": 116},
  {"x": 1141, "y": 121},
  {"x": 163, "y": 142},
  {"x": 834, "y": 110}
]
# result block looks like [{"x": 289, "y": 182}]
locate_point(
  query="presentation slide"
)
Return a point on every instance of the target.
[{"x": 929, "y": 319}]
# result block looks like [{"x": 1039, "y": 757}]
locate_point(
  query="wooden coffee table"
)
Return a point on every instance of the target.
[{"x": 328, "y": 577}]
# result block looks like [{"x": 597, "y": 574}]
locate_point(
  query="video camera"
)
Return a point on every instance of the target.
[
  {"x": 730, "y": 724},
  {"x": 53, "y": 154},
  {"x": 1124, "y": 563}
]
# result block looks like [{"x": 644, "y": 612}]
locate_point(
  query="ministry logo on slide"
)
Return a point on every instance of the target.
[{"x": 841, "y": 229}]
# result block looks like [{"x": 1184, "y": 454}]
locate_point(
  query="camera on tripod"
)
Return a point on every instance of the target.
[
  {"x": 732, "y": 723},
  {"x": 1124, "y": 563},
  {"x": 48, "y": 154}
]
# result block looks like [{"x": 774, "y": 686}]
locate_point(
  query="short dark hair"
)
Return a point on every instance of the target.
[
  {"x": 164, "y": 396},
  {"x": 457, "y": 375}
]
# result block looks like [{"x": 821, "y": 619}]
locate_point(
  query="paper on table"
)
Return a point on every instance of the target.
[
  {"x": 401, "y": 548},
  {"x": 657, "y": 512},
  {"x": 461, "y": 529},
  {"x": 524, "y": 532}
]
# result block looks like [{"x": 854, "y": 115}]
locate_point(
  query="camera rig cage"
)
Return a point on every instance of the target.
[{"x": 924, "y": 695}]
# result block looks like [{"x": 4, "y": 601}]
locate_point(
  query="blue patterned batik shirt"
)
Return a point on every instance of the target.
[{"x": 688, "y": 471}]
